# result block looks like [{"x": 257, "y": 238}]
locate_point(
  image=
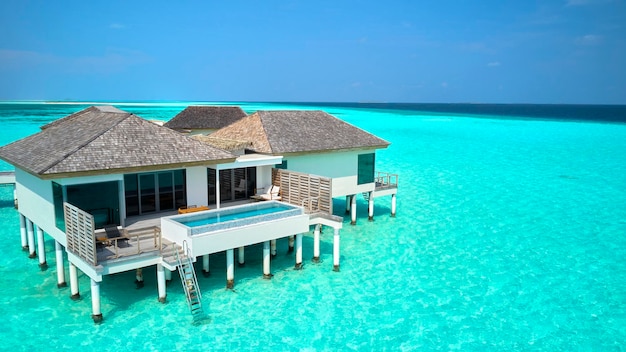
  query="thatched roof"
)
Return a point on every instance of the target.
[
  {"x": 101, "y": 140},
  {"x": 205, "y": 117},
  {"x": 284, "y": 132}
]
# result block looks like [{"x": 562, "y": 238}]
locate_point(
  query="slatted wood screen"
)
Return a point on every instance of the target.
[
  {"x": 312, "y": 192},
  {"x": 79, "y": 230}
]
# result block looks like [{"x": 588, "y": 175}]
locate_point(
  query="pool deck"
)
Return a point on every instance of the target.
[{"x": 139, "y": 244}]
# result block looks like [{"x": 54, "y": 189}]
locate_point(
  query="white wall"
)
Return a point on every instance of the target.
[
  {"x": 342, "y": 167},
  {"x": 35, "y": 202},
  {"x": 197, "y": 186},
  {"x": 263, "y": 178}
]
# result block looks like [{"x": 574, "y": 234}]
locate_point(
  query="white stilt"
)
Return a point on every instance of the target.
[
  {"x": 230, "y": 268},
  {"x": 299, "y": 251},
  {"x": 273, "y": 248},
  {"x": 41, "y": 248},
  {"x": 266, "y": 260},
  {"x": 23, "y": 232},
  {"x": 353, "y": 209},
  {"x": 168, "y": 275},
  {"x": 291, "y": 240},
  {"x": 139, "y": 277},
  {"x": 96, "y": 314},
  {"x": 74, "y": 292},
  {"x": 58, "y": 249},
  {"x": 32, "y": 253},
  {"x": 348, "y": 202},
  {"x": 161, "y": 283},
  {"x": 205, "y": 265},
  {"x": 393, "y": 205},
  {"x": 370, "y": 207},
  {"x": 316, "y": 243},
  {"x": 241, "y": 255},
  {"x": 336, "y": 250}
]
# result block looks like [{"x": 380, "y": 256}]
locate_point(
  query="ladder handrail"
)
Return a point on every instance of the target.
[{"x": 189, "y": 283}]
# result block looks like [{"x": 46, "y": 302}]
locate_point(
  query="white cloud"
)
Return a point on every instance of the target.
[
  {"x": 494, "y": 64},
  {"x": 117, "y": 26}
]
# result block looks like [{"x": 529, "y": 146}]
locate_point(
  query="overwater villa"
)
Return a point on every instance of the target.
[{"x": 119, "y": 193}]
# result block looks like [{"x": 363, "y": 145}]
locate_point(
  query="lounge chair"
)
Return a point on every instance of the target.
[
  {"x": 272, "y": 193},
  {"x": 242, "y": 186}
]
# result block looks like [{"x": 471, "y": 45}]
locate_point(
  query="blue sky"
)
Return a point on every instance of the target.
[{"x": 493, "y": 51}]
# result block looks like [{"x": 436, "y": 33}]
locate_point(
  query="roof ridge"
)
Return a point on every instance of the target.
[
  {"x": 265, "y": 131},
  {"x": 87, "y": 142}
]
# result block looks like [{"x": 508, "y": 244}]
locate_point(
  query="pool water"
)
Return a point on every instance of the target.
[{"x": 230, "y": 214}]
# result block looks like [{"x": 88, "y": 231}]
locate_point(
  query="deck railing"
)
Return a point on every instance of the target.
[
  {"x": 311, "y": 205},
  {"x": 386, "y": 180},
  {"x": 138, "y": 241}
]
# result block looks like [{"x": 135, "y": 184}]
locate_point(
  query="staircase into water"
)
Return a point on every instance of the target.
[{"x": 190, "y": 282}]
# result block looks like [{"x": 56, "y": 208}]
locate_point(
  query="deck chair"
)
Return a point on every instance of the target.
[
  {"x": 242, "y": 186},
  {"x": 273, "y": 193}
]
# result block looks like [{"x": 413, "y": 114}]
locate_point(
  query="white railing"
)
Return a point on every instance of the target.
[{"x": 385, "y": 179}]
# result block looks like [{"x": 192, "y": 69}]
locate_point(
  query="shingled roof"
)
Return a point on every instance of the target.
[
  {"x": 284, "y": 132},
  {"x": 101, "y": 140},
  {"x": 205, "y": 117}
]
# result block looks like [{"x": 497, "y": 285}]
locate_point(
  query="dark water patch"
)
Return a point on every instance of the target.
[{"x": 566, "y": 112}]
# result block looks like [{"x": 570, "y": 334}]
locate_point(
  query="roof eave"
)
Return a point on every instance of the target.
[
  {"x": 50, "y": 176},
  {"x": 323, "y": 151}
]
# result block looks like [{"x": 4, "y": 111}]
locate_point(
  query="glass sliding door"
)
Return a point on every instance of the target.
[
  {"x": 153, "y": 192},
  {"x": 166, "y": 191},
  {"x": 235, "y": 184},
  {"x": 147, "y": 187}
]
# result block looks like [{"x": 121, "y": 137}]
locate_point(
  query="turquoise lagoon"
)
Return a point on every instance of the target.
[{"x": 510, "y": 235}]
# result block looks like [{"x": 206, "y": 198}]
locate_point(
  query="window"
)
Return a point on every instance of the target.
[
  {"x": 366, "y": 168},
  {"x": 98, "y": 199},
  {"x": 282, "y": 166}
]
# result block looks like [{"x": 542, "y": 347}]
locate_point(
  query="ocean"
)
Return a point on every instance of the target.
[{"x": 510, "y": 234}]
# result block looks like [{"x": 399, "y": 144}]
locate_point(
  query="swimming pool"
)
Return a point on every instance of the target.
[
  {"x": 220, "y": 229},
  {"x": 232, "y": 214},
  {"x": 237, "y": 216}
]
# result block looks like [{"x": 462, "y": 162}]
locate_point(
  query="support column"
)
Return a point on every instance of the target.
[
  {"x": 353, "y": 209},
  {"x": 291, "y": 240},
  {"x": 168, "y": 276},
  {"x": 205, "y": 265},
  {"x": 32, "y": 253},
  {"x": 393, "y": 205},
  {"x": 58, "y": 249},
  {"x": 266, "y": 260},
  {"x": 230, "y": 268},
  {"x": 299, "y": 251},
  {"x": 336, "y": 250},
  {"x": 139, "y": 278},
  {"x": 161, "y": 283},
  {"x": 96, "y": 314},
  {"x": 41, "y": 247},
  {"x": 23, "y": 232},
  {"x": 241, "y": 256},
  {"x": 348, "y": 202},
  {"x": 316, "y": 243},
  {"x": 370, "y": 207},
  {"x": 273, "y": 248},
  {"x": 75, "y": 295}
]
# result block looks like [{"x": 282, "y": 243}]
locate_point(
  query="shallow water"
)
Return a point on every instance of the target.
[{"x": 510, "y": 235}]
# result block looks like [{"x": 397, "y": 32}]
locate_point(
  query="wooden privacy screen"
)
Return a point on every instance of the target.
[
  {"x": 79, "y": 230},
  {"x": 312, "y": 192}
]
